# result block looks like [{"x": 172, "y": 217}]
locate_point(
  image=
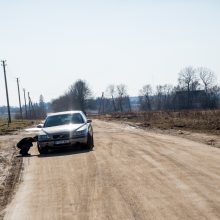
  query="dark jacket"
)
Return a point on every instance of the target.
[{"x": 26, "y": 142}]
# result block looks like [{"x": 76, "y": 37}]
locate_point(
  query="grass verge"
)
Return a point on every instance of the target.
[
  {"x": 6, "y": 128},
  {"x": 193, "y": 120}
]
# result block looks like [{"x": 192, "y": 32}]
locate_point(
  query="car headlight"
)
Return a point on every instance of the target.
[
  {"x": 43, "y": 137},
  {"x": 80, "y": 132}
]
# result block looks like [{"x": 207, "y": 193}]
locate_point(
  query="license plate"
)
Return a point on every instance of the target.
[{"x": 62, "y": 142}]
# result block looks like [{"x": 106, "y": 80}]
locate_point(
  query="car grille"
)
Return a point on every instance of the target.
[{"x": 61, "y": 136}]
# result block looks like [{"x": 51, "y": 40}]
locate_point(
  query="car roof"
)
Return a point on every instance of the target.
[{"x": 65, "y": 112}]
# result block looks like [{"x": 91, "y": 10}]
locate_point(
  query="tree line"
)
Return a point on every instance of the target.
[
  {"x": 37, "y": 110},
  {"x": 196, "y": 89}
]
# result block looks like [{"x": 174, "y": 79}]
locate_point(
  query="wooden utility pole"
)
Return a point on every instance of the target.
[
  {"x": 6, "y": 89},
  {"x": 19, "y": 97},
  {"x": 32, "y": 112},
  {"x": 25, "y": 104},
  {"x": 29, "y": 105}
]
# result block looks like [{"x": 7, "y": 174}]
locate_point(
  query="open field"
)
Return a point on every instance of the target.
[
  {"x": 196, "y": 121},
  {"x": 14, "y": 126},
  {"x": 131, "y": 174}
]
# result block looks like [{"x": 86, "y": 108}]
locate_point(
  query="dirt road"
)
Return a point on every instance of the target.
[{"x": 131, "y": 174}]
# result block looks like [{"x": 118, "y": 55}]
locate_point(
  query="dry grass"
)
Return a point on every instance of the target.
[
  {"x": 14, "y": 126},
  {"x": 205, "y": 121}
]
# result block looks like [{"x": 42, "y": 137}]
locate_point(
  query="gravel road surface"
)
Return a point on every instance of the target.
[{"x": 131, "y": 174}]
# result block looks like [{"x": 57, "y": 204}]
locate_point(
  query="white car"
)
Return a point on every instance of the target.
[{"x": 64, "y": 129}]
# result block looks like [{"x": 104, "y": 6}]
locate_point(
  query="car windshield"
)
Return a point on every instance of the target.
[{"x": 64, "y": 119}]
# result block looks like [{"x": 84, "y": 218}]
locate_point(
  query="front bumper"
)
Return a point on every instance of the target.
[{"x": 62, "y": 143}]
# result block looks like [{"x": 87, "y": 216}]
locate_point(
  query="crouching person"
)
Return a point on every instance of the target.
[{"x": 25, "y": 144}]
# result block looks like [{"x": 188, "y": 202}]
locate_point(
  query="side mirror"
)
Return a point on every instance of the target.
[
  {"x": 89, "y": 121},
  {"x": 40, "y": 126}
]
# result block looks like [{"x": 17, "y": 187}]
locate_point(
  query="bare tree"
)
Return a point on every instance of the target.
[
  {"x": 159, "y": 97},
  {"x": 62, "y": 103},
  {"x": 145, "y": 97},
  {"x": 111, "y": 91},
  {"x": 187, "y": 77},
  {"x": 214, "y": 97},
  {"x": 207, "y": 77},
  {"x": 79, "y": 93},
  {"x": 163, "y": 97},
  {"x": 42, "y": 107},
  {"x": 167, "y": 96},
  {"x": 121, "y": 96},
  {"x": 188, "y": 81}
]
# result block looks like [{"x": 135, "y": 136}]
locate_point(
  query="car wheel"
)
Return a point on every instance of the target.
[
  {"x": 90, "y": 142},
  {"x": 42, "y": 150}
]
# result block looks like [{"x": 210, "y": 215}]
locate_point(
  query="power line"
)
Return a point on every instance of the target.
[{"x": 6, "y": 89}]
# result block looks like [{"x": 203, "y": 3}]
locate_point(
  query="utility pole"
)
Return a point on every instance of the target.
[
  {"x": 29, "y": 105},
  {"x": 32, "y": 112},
  {"x": 6, "y": 89},
  {"x": 25, "y": 104},
  {"x": 19, "y": 97}
]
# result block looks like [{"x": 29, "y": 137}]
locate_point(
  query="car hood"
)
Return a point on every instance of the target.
[{"x": 61, "y": 129}]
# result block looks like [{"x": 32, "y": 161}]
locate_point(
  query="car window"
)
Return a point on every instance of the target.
[
  {"x": 77, "y": 119},
  {"x": 64, "y": 119}
]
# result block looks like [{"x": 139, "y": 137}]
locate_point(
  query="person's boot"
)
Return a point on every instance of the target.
[{"x": 24, "y": 152}]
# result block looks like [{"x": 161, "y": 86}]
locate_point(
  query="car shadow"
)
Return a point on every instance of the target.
[
  {"x": 30, "y": 155},
  {"x": 63, "y": 152}
]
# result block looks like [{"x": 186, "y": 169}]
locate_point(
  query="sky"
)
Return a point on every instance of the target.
[{"x": 49, "y": 44}]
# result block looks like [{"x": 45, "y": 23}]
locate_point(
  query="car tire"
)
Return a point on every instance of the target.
[
  {"x": 43, "y": 150},
  {"x": 90, "y": 142}
]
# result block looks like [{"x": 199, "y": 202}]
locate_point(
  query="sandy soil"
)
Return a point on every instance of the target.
[
  {"x": 131, "y": 174},
  {"x": 206, "y": 138},
  {"x": 10, "y": 166}
]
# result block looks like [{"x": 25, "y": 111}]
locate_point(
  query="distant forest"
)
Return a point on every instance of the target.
[{"x": 196, "y": 89}]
